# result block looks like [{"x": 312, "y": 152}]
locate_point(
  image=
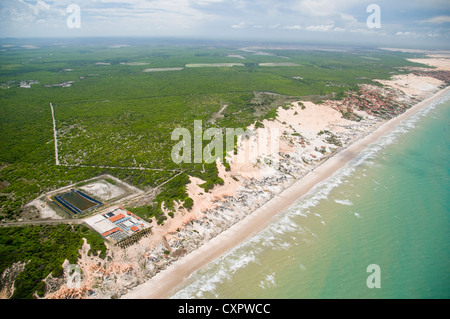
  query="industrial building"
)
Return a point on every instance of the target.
[{"x": 117, "y": 224}]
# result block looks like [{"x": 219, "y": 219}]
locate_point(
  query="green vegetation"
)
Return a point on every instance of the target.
[
  {"x": 44, "y": 248},
  {"x": 331, "y": 138},
  {"x": 258, "y": 124}
]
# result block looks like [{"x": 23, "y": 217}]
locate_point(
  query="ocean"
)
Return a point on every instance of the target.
[{"x": 388, "y": 207}]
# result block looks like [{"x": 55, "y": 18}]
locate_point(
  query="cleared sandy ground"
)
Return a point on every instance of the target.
[
  {"x": 412, "y": 85},
  {"x": 441, "y": 62},
  {"x": 213, "y": 65},
  {"x": 161, "y": 69},
  {"x": 103, "y": 190},
  {"x": 279, "y": 64}
]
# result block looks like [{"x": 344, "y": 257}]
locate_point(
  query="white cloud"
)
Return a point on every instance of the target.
[
  {"x": 319, "y": 8},
  {"x": 293, "y": 27},
  {"x": 338, "y": 29},
  {"x": 279, "y": 19},
  {"x": 321, "y": 28},
  {"x": 241, "y": 25},
  {"x": 107, "y": 17},
  {"x": 437, "y": 20},
  {"x": 21, "y": 11},
  {"x": 315, "y": 28},
  {"x": 410, "y": 34},
  {"x": 207, "y": 2}
]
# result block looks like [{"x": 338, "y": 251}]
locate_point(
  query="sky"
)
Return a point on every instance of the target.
[{"x": 401, "y": 22}]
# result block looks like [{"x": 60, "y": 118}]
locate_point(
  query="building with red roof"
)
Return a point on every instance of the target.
[{"x": 116, "y": 218}]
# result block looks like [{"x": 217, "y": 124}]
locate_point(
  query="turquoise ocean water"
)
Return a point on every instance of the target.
[{"x": 390, "y": 206}]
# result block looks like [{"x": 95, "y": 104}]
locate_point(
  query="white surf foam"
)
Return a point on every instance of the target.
[
  {"x": 217, "y": 273},
  {"x": 345, "y": 202},
  {"x": 269, "y": 281}
]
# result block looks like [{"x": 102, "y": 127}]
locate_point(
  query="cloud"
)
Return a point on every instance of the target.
[
  {"x": 416, "y": 35},
  {"x": 21, "y": 11},
  {"x": 437, "y": 20},
  {"x": 406, "y": 33},
  {"x": 206, "y": 2},
  {"x": 241, "y": 25},
  {"x": 315, "y": 28},
  {"x": 279, "y": 19},
  {"x": 318, "y": 8},
  {"x": 293, "y": 27},
  {"x": 321, "y": 28},
  {"x": 106, "y": 17}
]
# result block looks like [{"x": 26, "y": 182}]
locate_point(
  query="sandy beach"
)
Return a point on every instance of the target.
[{"x": 164, "y": 284}]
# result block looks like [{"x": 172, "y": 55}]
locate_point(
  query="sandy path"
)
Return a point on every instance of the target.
[
  {"x": 216, "y": 115},
  {"x": 55, "y": 136},
  {"x": 163, "y": 285}
]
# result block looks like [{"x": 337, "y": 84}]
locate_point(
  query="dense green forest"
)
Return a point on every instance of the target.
[{"x": 44, "y": 249}]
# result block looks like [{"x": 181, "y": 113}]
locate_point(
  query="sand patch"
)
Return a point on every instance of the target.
[
  {"x": 439, "y": 62},
  {"x": 213, "y": 65},
  {"x": 413, "y": 85},
  {"x": 44, "y": 209},
  {"x": 238, "y": 56},
  {"x": 279, "y": 64},
  {"x": 312, "y": 118},
  {"x": 103, "y": 190},
  {"x": 162, "y": 69},
  {"x": 135, "y": 63}
]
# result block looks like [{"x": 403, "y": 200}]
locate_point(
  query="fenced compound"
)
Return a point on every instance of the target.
[{"x": 76, "y": 201}]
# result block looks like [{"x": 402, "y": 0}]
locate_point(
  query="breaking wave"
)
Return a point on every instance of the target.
[
  {"x": 217, "y": 273},
  {"x": 269, "y": 281},
  {"x": 346, "y": 202}
]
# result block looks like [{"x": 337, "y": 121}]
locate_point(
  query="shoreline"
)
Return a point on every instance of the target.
[{"x": 164, "y": 283}]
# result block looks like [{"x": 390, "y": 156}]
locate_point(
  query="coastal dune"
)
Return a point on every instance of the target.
[{"x": 164, "y": 283}]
